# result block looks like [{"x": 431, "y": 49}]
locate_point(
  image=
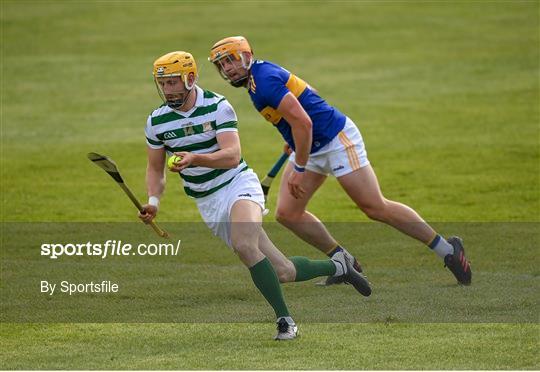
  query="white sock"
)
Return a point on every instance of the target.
[
  {"x": 337, "y": 259},
  {"x": 440, "y": 246},
  {"x": 288, "y": 319}
]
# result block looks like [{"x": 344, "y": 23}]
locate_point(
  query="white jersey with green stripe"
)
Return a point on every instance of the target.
[{"x": 195, "y": 131}]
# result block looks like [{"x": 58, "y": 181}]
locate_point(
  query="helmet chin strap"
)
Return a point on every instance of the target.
[
  {"x": 177, "y": 103},
  {"x": 240, "y": 82}
]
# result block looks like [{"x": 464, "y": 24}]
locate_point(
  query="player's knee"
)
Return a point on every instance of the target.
[
  {"x": 375, "y": 211},
  {"x": 284, "y": 216}
]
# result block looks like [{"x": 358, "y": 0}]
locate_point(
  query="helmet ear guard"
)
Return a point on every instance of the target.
[
  {"x": 185, "y": 79},
  {"x": 247, "y": 65}
]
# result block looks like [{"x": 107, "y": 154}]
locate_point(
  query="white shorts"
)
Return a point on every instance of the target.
[
  {"x": 215, "y": 209},
  {"x": 343, "y": 155}
]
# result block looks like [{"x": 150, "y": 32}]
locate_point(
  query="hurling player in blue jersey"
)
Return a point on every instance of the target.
[{"x": 324, "y": 142}]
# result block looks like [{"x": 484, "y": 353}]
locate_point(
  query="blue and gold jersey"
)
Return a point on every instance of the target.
[{"x": 267, "y": 86}]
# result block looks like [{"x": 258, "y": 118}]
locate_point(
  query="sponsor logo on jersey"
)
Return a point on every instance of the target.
[
  {"x": 169, "y": 135},
  {"x": 188, "y": 131},
  {"x": 207, "y": 126},
  {"x": 246, "y": 195}
]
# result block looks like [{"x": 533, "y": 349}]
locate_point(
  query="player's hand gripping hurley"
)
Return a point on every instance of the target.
[{"x": 110, "y": 167}]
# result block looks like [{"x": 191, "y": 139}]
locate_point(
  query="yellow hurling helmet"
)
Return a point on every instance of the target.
[
  {"x": 172, "y": 64},
  {"x": 232, "y": 47},
  {"x": 176, "y": 64}
]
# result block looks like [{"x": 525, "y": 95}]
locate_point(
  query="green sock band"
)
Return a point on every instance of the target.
[
  {"x": 308, "y": 269},
  {"x": 265, "y": 278}
]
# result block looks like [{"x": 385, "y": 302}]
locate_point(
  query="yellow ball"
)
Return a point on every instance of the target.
[{"x": 173, "y": 159}]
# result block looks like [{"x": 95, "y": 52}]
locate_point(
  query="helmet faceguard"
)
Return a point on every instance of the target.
[
  {"x": 226, "y": 52},
  {"x": 176, "y": 64},
  {"x": 177, "y": 98}
]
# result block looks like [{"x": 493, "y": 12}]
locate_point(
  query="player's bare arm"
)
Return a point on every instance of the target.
[
  {"x": 301, "y": 127},
  {"x": 155, "y": 182}
]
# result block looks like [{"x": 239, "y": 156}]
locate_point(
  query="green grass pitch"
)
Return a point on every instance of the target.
[{"x": 446, "y": 95}]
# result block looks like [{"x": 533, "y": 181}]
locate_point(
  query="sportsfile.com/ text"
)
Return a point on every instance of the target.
[{"x": 110, "y": 248}]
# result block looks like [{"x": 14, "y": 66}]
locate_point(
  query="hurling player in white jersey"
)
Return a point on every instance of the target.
[
  {"x": 201, "y": 127},
  {"x": 324, "y": 142}
]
